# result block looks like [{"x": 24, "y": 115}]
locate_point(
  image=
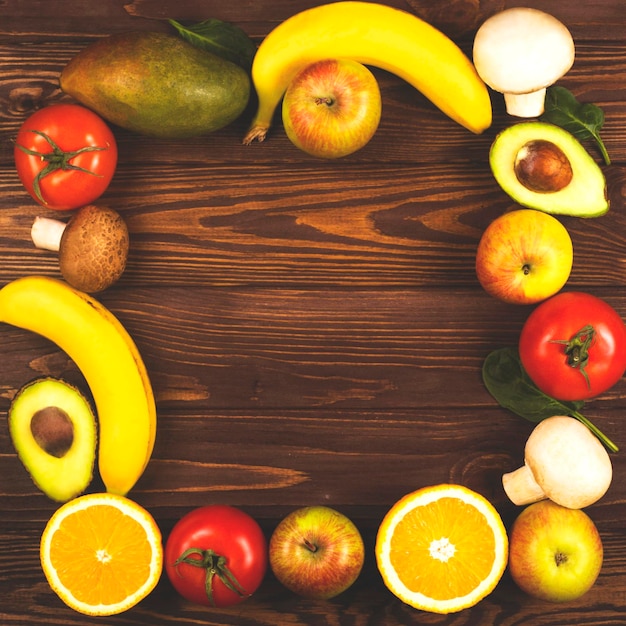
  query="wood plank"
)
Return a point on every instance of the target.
[
  {"x": 601, "y": 17},
  {"x": 314, "y": 330},
  {"x": 410, "y": 125},
  {"x": 365, "y": 603},
  {"x": 339, "y": 225},
  {"x": 264, "y": 349}
]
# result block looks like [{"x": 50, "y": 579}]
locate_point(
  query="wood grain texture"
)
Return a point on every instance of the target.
[{"x": 314, "y": 331}]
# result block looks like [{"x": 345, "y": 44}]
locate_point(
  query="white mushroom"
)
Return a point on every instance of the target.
[
  {"x": 564, "y": 462},
  {"x": 92, "y": 246},
  {"x": 520, "y": 52}
]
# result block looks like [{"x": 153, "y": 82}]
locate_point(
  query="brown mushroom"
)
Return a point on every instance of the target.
[{"x": 92, "y": 246}]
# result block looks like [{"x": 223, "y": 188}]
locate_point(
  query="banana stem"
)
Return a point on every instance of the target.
[{"x": 258, "y": 132}]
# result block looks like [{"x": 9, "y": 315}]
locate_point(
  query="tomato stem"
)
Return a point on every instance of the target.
[
  {"x": 214, "y": 565},
  {"x": 577, "y": 349},
  {"x": 58, "y": 159}
]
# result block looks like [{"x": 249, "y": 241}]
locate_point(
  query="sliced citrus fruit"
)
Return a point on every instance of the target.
[
  {"x": 101, "y": 553},
  {"x": 442, "y": 548}
]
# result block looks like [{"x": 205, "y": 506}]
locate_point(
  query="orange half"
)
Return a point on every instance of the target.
[
  {"x": 442, "y": 548},
  {"x": 101, "y": 553}
]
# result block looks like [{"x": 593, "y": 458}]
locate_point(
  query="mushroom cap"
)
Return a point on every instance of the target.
[
  {"x": 568, "y": 461},
  {"x": 94, "y": 248},
  {"x": 521, "y": 50}
]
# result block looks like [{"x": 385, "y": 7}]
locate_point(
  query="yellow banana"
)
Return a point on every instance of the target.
[
  {"x": 377, "y": 35},
  {"x": 108, "y": 359}
]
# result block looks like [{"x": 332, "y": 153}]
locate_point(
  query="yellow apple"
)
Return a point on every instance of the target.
[
  {"x": 524, "y": 256},
  {"x": 332, "y": 108},
  {"x": 555, "y": 553}
]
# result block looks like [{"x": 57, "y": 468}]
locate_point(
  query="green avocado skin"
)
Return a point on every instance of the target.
[{"x": 156, "y": 84}]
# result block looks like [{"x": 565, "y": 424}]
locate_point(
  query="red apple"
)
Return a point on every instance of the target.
[
  {"x": 332, "y": 108},
  {"x": 316, "y": 552},
  {"x": 555, "y": 553},
  {"x": 524, "y": 256}
]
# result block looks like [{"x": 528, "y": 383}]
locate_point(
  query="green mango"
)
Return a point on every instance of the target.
[{"x": 156, "y": 84}]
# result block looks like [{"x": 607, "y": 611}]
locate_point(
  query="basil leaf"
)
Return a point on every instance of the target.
[
  {"x": 584, "y": 121},
  {"x": 507, "y": 381},
  {"x": 221, "y": 38}
]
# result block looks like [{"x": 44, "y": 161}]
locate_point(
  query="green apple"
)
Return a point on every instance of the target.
[
  {"x": 555, "y": 553},
  {"x": 332, "y": 108},
  {"x": 524, "y": 256},
  {"x": 316, "y": 552}
]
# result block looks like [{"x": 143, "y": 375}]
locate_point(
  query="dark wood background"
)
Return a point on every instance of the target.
[{"x": 314, "y": 330}]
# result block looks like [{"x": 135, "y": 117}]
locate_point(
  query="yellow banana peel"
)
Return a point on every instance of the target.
[
  {"x": 109, "y": 360},
  {"x": 377, "y": 35}
]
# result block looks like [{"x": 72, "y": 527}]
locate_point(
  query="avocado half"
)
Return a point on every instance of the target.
[
  {"x": 54, "y": 431},
  {"x": 542, "y": 166}
]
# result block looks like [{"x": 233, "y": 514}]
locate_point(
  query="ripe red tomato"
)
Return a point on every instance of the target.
[
  {"x": 65, "y": 156},
  {"x": 216, "y": 555},
  {"x": 573, "y": 346}
]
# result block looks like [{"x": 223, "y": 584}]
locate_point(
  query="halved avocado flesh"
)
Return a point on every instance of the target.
[
  {"x": 53, "y": 429},
  {"x": 584, "y": 196}
]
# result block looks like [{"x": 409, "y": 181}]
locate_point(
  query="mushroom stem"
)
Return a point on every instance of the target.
[
  {"x": 525, "y": 104},
  {"x": 521, "y": 487},
  {"x": 46, "y": 233}
]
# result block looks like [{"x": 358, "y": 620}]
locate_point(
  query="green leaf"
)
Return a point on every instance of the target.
[
  {"x": 221, "y": 38},
  {"x": 584, "y": 121},
  {"x": 507, "y": 381}
]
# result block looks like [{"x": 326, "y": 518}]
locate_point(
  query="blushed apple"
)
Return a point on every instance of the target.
[
  {"x": 524, "y": 256},
  {"x": 316, "y": 552},
  {"x": 332, "y": 108},
  {"x": 555, "y": 553}
]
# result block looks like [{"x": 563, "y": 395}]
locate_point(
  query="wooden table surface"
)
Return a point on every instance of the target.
[{"x": 314, "y": 331}]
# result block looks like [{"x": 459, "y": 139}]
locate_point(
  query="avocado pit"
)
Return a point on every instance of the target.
[
  {"x": 528, "y": 156},
  {"x": 543, "y": 167},
  {"x": 53, "y": 430}
]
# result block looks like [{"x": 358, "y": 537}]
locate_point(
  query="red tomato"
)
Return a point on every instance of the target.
[
  {"x": 216, "y": 555},
  {"x": 65, "y": 156},
  {"x": 573, "y": 346}
]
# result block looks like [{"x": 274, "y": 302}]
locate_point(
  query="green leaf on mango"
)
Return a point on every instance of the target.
[{"x": 221, "y": 38}]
